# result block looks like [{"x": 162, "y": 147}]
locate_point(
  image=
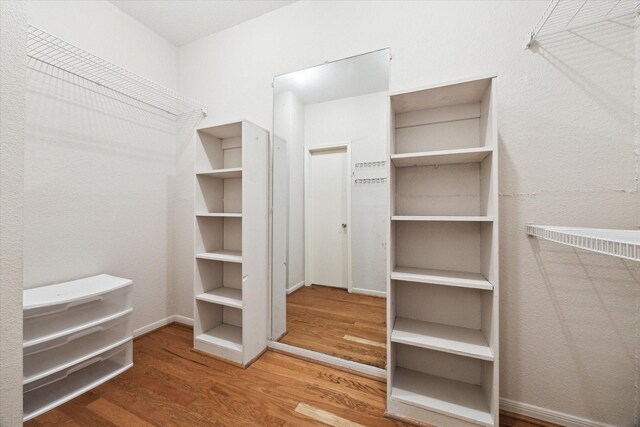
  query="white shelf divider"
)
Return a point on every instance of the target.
[
  {"x": 223, "y": 335},
  {"x": 457, "y": 399},
  {"x": 227, "y": 256},
  {"x": 230, "y": 297},
  {"x": 436, "y": 336},
  {"x": 619, "y": 243},
  {"x": 441, "y": 277},
  {"x": 223, "y": 173},
  {"x": 441, "y": 157},
  {"x": 220, "y": 214},
  {"x": 442, "y": 218}
]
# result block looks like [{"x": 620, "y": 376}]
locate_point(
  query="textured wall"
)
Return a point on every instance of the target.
[
  {"x": 13, "y": 18},
  {"x": 569, "y": 319},
  {"x": 100, "y": 168}
]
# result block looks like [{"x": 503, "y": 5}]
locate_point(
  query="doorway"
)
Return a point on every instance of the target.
[{"x": 328, "y": 216}]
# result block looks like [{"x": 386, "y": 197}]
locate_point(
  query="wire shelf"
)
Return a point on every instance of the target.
[
  {"x": 567, "y": 15},
  {"x": 619, "y": 243},
  {"x": 43, "y": 47}
]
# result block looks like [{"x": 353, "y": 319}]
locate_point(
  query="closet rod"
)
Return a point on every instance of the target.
[{"x": 50, "y": 50}]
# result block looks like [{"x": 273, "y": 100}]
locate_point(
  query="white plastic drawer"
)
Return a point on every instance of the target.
[
  {"x": 53, "y": 390},
  {"x": 47, "y": 357},
  {"x": 52, "y": 322}
]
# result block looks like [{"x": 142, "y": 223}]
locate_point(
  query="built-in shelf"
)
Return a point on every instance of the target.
[
  {"x": 220, "y": 215},
  {"x": 441, "y": 157},
  {"x": 454, "y": 398},
  {"x": 461, "y": 279},
  {"x": 436, "y": 336},
  {"x": 230, "y": 297},
  {"x": 223, "y": 173},
  {"x": 446, "y": 218},
  {"x": 223, "y": 335},
  {"x": 227, "y": 256}
]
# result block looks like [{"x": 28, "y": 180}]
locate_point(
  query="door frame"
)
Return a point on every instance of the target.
[{"x": 308, "y": 152}]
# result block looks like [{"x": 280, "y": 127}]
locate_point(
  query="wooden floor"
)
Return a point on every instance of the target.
[
  {"x": 172, "y": 385},
  {"x": 335, "y": 322}
]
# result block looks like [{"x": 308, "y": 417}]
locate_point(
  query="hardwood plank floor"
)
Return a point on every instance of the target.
[
  {"x": 172, "y": 385},
  {"x": 335, "y": 322}
]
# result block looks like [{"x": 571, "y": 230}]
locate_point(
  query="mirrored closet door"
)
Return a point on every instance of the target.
[{"x": 330, "y": 208}]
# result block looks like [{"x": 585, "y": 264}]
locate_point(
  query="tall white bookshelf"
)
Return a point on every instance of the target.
[
  {"x": 442, "y": 303},
  {"x": 231, "y": 241}
]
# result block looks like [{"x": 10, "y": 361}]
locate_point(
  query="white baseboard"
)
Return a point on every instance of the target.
[
  {"x": 295, "y": 287},
  {"x": 163, "y": 322},
  {"x": 183, "y": 320},
  {"x": 381, "y": 294},
  {"x": 548, "y": 415}
]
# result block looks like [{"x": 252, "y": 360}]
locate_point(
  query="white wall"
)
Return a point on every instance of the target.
[
  {"x": 569, "y": 323},
  {"x": 13, "y": 19},
  {"x": 99, "y": 169},
  {"x": 362, "y": 120}
]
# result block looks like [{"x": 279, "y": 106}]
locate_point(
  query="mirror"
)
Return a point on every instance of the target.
[{"x": 330, "y": 208}]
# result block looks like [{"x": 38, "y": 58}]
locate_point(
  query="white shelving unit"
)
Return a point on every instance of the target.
[
  {"x": 442, "y": 301},
  {"x": 44, "y": 48},
  {"x": 564, "y": 16},
  {"x": 619, "y": 243},
  {"x": 231, "y": 242},
  {"x": 77, "y": 335}
]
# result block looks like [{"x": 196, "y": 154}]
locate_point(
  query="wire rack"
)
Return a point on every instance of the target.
[
  {"x": 567, "y": 15},
  {"x": 619, "y": 243},
  {"x": 43, "y": 47}
]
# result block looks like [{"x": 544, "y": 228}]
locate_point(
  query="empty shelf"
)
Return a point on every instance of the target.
[
  {"x": 221, "y": 215},
  {"x": 436, "y": 336},
  {"x": 443, "y": 157},
  {"x": 223, "y": 173},
  {"x": 442, "y": 395},
  {"x": 225, "y": 296},
  {"x": 619, "y": 243},
  {"x": 461, "y": 279},
  {"x": 227, "y": 336},
  {"x": 228, "y": 256},
  {"x": 446, "y": 218}
]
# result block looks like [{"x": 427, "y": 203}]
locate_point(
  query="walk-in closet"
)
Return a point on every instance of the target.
[{"x": 319, "y": 213}]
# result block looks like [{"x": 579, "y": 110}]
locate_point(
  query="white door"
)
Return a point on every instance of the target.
[{"x": 327, "y": 216}]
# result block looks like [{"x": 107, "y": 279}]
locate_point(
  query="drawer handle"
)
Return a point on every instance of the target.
[
  {"x": 69, "y": 339},
  {"x": 83, "y": 365},
  {"x": 69, "y": 372},
  {"x": 68, "y": 306},
  {"x": 85, "y": 301},
  {"x": 85, "y": 333}
]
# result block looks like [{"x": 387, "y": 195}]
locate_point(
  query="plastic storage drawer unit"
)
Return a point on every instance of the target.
[{"x": 76, "y": 336}]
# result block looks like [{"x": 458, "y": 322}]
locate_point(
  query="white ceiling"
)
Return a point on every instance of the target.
[{"x": 183, "y": 21}]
